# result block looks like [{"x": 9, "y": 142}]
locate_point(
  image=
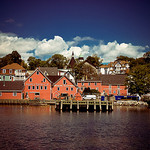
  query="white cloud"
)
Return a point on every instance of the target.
[
  {"x": 77, "y": 40},
  {"x": 50, "y": 47},
  {"x": 10, "y": 42},
  {"x": 111, "y": 50},
  {"x": 45, "y": 48}
]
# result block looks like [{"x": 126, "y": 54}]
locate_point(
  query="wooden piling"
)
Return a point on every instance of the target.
[
  {"x": 71, "y": 105},
  {"x": 77, "y": 105}
]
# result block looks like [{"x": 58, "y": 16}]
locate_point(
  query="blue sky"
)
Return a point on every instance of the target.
[{"x": 105, "y": 27}]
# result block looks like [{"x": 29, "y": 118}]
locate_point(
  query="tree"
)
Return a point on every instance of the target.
[
  {"x": 138, "y": 80},
  {"x": 57, "y": 60},
  {"x": 33, "y": 63},
  {"x": 14, "y": 57},
  {"x": 94, "y": 60}
]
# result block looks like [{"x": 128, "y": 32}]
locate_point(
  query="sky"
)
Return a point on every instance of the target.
[{"x": 42, "y": 28}]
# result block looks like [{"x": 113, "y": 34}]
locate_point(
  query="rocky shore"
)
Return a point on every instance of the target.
[{"x": 130, "y": 103}]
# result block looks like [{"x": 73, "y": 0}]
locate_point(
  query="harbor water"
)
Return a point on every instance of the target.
[{"x": 42, "y": 127}]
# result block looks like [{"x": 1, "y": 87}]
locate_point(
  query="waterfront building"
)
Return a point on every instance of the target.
[
  {"x": 12, "y": 72},
  {"x": 106, "y": 85},
  {"x": 11, "y": 89},
  {"x": 37, "y": 85},
  {"x": 61, "y": 85}
]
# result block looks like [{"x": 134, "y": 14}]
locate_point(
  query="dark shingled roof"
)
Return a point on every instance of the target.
[
  {"x": 54, "y": 78},
  {"x": 11, "y": 85},
  {"x": 52, "y": 71},
  {"x": 113, "y": 79}
]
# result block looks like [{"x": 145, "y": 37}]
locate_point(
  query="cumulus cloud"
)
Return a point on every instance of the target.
[
  {"x": 50, "y": 47},
  {"x": 46, "y": 48},
  {"x": 10, "y": 42},
  {"x": 111, "y": 50}
]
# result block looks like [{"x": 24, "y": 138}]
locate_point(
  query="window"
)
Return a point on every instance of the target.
[
  {"x": 30, "y": 80},
  {"x": 45, "y": 87},
  {"x": 71, "y": 89},
  {"x": 66, "y": 88},
  {"x": 89, "y": 83},
  {"x": 110, "y": 86},
  {"x": 3, "y": 77},
  {"x": 29, "y": 87},
  {"x": 14, "y": 93},
  {"x": 109, "y": 91},
  {"x": 10, "y": 77},
  {"x": 64, "y": 81},
  {"x": 0, "y": 93},
  {"x": 41, "y": 87},
  {"x": 4, "y": 70},
  {"x": 81, "y": 88},
  {"x": 10, "y": 71},
  {"x": 37, "y": 94},
  {"x": 58, "y": 88},
  {"x": 44, "y": 80},
  {"x": 95, "y": 83},
  {"x": 37, "y": 72},
  {"x": 114, "y": 91},
  {"x": 97, "y": 88},
  {"x": 71, "y": 96},
  {"x": 82, "y": 83},
  {"x": 37, "y": 87},
  {"x": 0, "y": 78},
  {"x": 118, "y": 86},
  {"x": 33, "y": 87}
]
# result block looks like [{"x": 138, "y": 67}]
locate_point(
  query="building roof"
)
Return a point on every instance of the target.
[
  {"x": 13, "y": 66},
  {"x": 51, "y": 71},
  {"x": 11, "y": 85},
  {"x": 54, "y": 78},
  {"x": 118, "y": 79}
]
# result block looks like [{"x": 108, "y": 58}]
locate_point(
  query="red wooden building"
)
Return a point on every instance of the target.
[
  {"x": 62, "y": 86},
  {"x": 11, "y": 89},
  {"x": 37, "y": 85}
]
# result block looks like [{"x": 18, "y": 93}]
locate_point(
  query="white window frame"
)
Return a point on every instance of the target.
[
  {"x": 14, "y": 93},
  {"x": 89, "y": 83},
  {"x": 37, "y": 87},
  {"x": 66, "y": 88},
  {"x": 71, "y": 88},
  {"x": 95, "y": 83},
  {"x": 45, "y": 87},
  {"x": 33, "y": 87},
  {"x": 44, "y": 80},
  {"x": 4, "y": 70},
  {"x": 82, "y": 83},
  {"x": 41, "y": 87},
  {"x": 37, "y": 93},
  {"x": 29, "y": 87},
  {"x": 37, "y": 72},
  {"x": 58, "y": 88},
  {"x": 30, "y": 80}
]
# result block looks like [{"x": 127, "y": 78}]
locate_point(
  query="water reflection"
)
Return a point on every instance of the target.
[{"x": 31, "y": 127}]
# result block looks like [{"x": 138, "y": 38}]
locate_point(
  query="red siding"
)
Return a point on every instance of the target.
[
  {"x": 9, "y": 95},
  {"x": 37, "y": 80},
  {"x": 68, "y": 88}
]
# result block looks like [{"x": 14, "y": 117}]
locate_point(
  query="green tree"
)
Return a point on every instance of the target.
[
  {"x": 94, "y": 60},
  {"x": 57, "y": 60},
  {"x": 14, "y": 57},
  {"x": 138, "y": 80},
  {"x": 33, "y": 63}
]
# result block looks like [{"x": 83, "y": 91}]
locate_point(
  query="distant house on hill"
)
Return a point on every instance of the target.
[
  {"x": 11, "y": 90},
  {"x": 12, "y": 72},
  {"x": 116, "y": 67}
]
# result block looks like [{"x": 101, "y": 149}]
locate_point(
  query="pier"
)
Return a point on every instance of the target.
[{"x": 86, "y": 105}]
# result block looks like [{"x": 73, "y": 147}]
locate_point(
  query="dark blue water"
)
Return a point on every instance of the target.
[{"x": 41, "y": 127}]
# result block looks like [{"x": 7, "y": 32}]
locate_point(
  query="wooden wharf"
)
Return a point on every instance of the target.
[
  {"x": 87, "y": 105},
  {"x": 14, "y": 101}
]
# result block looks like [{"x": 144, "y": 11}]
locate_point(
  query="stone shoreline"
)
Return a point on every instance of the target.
[{"x": 130, "y": 103}]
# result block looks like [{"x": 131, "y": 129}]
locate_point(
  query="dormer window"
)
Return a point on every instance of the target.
[
  {"x": 37, "y": 72},
  {"x": 4, "y": 70}
]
